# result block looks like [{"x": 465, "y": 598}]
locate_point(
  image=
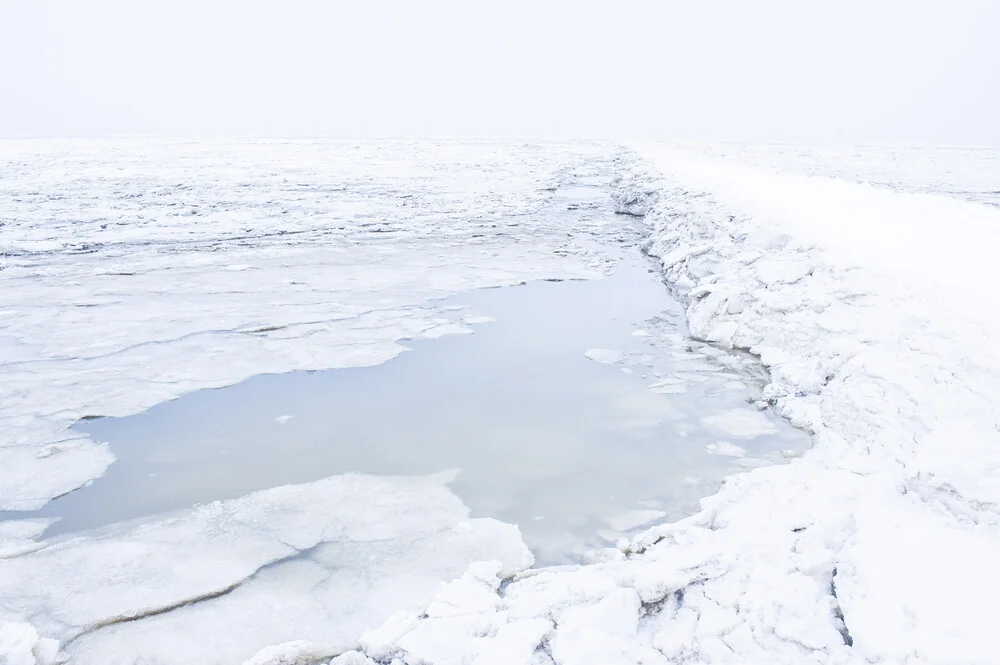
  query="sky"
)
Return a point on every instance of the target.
[{"x": 921, "y": 72}]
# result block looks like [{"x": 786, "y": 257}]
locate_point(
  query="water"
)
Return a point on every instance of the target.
[{"x": 575, "y": 452}]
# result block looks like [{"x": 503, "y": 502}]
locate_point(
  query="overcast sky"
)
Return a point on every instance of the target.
[{"x": 921, "y": 71}]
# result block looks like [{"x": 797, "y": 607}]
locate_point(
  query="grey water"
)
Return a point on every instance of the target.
[{"x": 576, "y": 452}]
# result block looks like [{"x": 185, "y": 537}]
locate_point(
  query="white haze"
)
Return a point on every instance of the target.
[{"x": 781, "y": 70}]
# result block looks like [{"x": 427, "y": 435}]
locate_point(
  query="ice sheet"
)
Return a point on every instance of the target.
[
  {"x": 320, "y": 561},
  {"x": 873, "y": 309},
  {"x": 133, "y": 271},
  {"x": 544, "y": 438},
  {"x": 868, "y": 307}
]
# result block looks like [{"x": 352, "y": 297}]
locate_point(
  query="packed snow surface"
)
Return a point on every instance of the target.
[{"x": 870, "y": 299}]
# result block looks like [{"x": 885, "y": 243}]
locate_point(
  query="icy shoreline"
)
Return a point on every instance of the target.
[
  {"x": 877, "y": 546},
  {"x": 870, "y": 309}
]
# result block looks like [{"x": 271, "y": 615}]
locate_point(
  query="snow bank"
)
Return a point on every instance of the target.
[{"x": 872, "y": 310}]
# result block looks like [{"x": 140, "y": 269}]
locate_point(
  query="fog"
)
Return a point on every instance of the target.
[{"x": 922, "y": 72}]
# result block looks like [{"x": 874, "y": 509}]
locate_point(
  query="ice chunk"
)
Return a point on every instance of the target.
[
  {"x": 477, "y": 320},
  {"x": 725, "y": 448},
  {"x": 741, "y": 423},
  {"x": 634, "y": 519},
  {"x": 21, "y": 645},
  {"x": 604, "y": 356},
  {"x": 298, "y": 652},
  {"x": 319, "y": 562},
  {"x": 18, "y": 536}
]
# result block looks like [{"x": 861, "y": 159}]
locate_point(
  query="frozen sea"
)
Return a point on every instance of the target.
[
  {"x": 188, "y": 323},
  {"x": 309, "y": 400},
  {"x": 579, "y": 411}
]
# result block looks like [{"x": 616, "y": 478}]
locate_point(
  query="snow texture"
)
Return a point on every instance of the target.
[
  {"x": 872, "y": 305},
  {"x": 319, "y": 561},
  {"x": 21, "y": 645},
  {"x": 871, "y": 308}
]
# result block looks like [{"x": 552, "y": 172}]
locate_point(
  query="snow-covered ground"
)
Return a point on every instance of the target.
[
  {"x": 872, "y": 305},
  {"x": 972, "y": 175}
]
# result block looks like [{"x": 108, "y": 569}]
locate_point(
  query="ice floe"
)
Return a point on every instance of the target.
[
  {"x": 128, "y": 276},
  {"x": 878, "y": 546},
  {"x": 320, "y": 561},
  {"x": 604, "y": 356},
  {"x": 740, "y": 423}
]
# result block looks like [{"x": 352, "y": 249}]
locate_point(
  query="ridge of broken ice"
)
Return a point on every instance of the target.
[{"x": 878, "y": 545}]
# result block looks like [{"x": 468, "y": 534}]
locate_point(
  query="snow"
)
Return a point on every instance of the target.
[
  {"x": 321, "y": 561},
  {"x": 869, "y": 299},
  {"x": 133, "y": 271},
  {"x": 18, "y": 536},
  {"x": 298, "y": 652},
  {"x": 21, "y": 645},
  {"x": 870, "y": 308}
]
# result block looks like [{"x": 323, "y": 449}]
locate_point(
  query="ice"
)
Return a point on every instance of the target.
[
  {"x": 725, "y": 448},
  {"x": 298, "y": 652},
  {"x": 871, "y": 305},
  {"x": 635, "y": 519},
  {"x": 134, "y": 271},
  {"x": 604, "y": 356},
  {"x": 536, "y": 428},
  {"x": 876, "y": 545},
  {"x": 275, "y": 566},
  {"x": 741, "y": 423},
  {"x": 18, "y": 536},
  {"x": 21, "y": 645}
]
